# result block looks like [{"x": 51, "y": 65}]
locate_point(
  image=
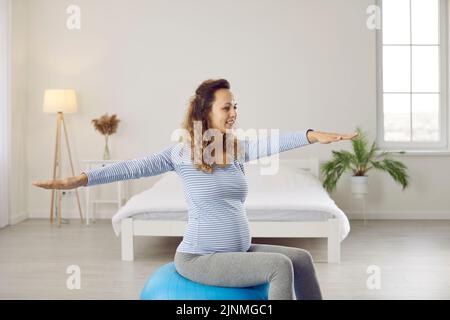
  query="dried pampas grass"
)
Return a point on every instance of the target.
[{"x": 106, "y": 125}]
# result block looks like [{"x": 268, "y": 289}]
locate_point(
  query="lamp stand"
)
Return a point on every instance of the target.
[{"x": 57, "y": 170}]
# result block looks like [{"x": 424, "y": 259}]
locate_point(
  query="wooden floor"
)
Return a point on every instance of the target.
[{"x": 413, "y": 257}]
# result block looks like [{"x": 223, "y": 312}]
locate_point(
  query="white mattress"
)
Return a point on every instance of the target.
[{"x": 268, "y": 215}]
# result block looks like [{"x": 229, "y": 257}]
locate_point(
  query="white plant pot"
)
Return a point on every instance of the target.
[{"x": 360, "y": 185}]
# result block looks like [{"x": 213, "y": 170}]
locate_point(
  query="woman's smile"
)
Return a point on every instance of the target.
[{"x": 230, "y": 123}]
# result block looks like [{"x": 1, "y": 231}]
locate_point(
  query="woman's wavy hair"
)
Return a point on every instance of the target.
[{"x": 199, "y": 109}]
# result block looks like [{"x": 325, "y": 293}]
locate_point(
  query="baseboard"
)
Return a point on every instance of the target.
[
  {"x": 400, "y": 215},
  {"x": 18, "y": 218},
  {"x": 354, "y": 215},
  {"x": 69, "y": 215}
]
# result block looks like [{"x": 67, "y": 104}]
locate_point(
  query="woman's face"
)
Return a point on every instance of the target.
[{"x": 223, "y": 112}]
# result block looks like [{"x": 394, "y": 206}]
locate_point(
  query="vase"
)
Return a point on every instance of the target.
[
  {"x": 106, "y": 155},
  {"x": 359, "y": 185},
  {"x": 360, "y": 189}
]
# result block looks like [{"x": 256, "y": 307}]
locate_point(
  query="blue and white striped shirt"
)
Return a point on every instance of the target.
[{"x": 217, "y": 220}]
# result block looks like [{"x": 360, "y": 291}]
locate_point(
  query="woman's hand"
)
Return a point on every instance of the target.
[
  {"x": 326, "y": 137},
  {"x": 64, "y": 184}
]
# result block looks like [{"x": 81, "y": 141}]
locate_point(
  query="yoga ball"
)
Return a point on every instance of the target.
[{"x": 167, "y": 284}]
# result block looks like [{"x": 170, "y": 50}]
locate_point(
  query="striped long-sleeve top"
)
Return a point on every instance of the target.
[{"x": 217, "y": 220}]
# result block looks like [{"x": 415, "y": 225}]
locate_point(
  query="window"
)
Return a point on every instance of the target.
[{"x": 412, "y": 93}]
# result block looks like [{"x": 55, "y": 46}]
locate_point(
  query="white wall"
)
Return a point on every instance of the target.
[
  {"x": 19, "y": 177},
  {"x": 292, "y": 65},
  {"x": 5, "y": 112}
]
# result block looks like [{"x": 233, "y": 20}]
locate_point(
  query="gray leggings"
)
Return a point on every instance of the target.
[{"x": 290, "y": 271}]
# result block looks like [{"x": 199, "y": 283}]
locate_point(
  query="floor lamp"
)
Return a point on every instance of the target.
[{"x": 60, "y": 102}]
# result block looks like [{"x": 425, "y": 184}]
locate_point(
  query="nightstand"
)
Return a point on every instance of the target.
[{"x": 90, "y": 202}]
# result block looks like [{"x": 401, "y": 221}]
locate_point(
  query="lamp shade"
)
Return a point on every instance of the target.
[{"x": 58, "y": 100}]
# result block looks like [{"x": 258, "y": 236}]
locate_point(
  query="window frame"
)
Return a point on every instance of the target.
[{"x": 441, "y": 146}]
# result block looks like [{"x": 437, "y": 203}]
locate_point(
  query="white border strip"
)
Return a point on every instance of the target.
[{"x": 5, "y": 111}]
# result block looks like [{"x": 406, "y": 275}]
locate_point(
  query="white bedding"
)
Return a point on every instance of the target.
[{"x": 292, "y": 194}]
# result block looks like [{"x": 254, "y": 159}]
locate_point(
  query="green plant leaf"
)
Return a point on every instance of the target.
[
  {"x": 359, "y": 147},
  {"x": 333, "y": 169},
  {"x": 395, "y": 169}
]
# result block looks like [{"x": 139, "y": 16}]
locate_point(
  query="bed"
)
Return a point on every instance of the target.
[{"x": 289, "y": 204}]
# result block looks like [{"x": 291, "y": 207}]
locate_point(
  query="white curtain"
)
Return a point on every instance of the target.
[{"x": 5, "y": 111}]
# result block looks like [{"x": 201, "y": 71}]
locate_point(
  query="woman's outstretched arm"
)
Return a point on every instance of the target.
[
  {"x": 152, "y": 165},
  {"x": 284, "y": 141},
  {"x": 328, "y": 137},
  {"x": 63, "y": 184}
]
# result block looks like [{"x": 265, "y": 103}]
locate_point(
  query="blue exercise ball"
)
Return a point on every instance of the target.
[{"x": 167, "y": 284}]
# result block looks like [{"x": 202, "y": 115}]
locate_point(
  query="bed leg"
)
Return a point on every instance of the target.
[
  {"x": 127, "y": 239},
  {"x": 334, "y": 241}
]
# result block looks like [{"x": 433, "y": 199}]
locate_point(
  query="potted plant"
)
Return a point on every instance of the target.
[
  {"x": 106, "y": 126},
  {"x": 361, "y": 161}
]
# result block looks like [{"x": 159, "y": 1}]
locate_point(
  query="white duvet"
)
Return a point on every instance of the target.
[{"x": 293, "y": 190}]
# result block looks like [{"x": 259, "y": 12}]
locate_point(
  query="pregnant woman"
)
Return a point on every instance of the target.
[{"x": 216, "y": 248}]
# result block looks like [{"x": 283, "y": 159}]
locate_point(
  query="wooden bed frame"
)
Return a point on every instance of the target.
[{"x": 329, "y": 229}]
